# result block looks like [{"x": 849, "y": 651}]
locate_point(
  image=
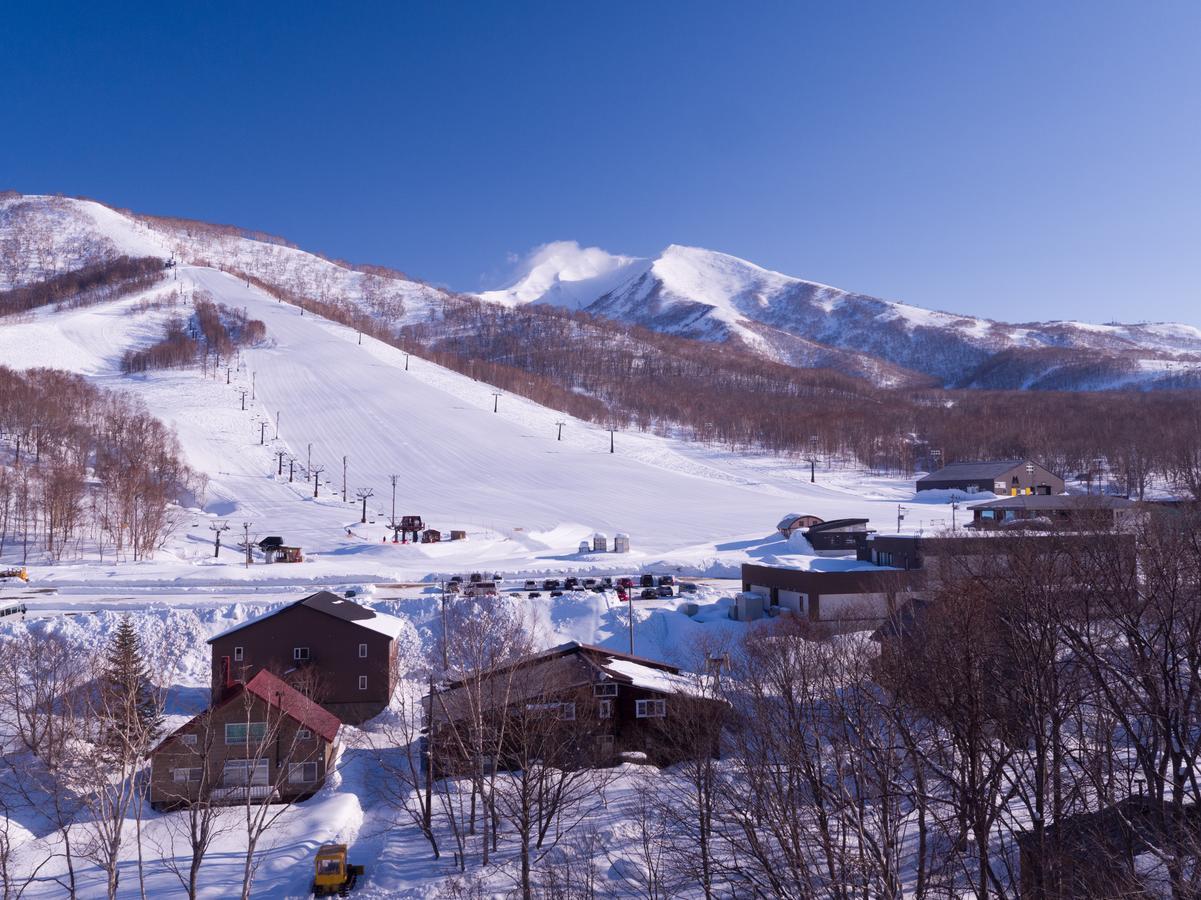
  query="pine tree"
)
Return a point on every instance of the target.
[{"x": 133, "y": 717}]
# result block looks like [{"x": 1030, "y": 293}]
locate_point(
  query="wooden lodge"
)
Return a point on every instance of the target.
[
  {"x": 597, "y": 703},
  {"x": 1001, "y": 477},
  {"x": 264, "y": 742},
  {"x": 332, "y": 649}
]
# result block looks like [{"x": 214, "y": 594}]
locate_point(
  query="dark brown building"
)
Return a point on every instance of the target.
[
  {"x": 1006, "y": 476},
  {"x": 856, "y": 598},
  {"x": 264, "y": 741},
  {"x": 1056, "y": 511},
  {"x": 332, "y": 649},
  {"x": 604, "y": 703}
]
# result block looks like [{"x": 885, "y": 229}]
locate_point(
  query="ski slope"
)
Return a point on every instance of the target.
[{"x": 525, "y": 498}]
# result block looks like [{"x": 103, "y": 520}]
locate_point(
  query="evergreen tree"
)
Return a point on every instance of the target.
[{"x": 133, "y": 718}]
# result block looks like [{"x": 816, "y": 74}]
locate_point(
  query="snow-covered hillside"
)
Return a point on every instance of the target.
[{"x": 714, "y": 296}]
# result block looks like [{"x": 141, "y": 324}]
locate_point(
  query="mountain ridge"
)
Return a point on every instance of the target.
[{"x": 710, "y": 295}]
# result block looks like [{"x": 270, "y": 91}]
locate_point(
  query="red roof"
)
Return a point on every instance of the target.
[{"x": 277, "y": 692}]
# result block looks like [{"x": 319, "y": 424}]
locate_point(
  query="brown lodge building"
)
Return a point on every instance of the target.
[
  {"x": 264, "y": 742},
  {"x": 333, "y": 650},
  {"x": 585, "y": 705}
]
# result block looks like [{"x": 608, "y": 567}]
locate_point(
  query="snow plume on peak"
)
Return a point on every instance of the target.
[{"x": 562, "y": 273}]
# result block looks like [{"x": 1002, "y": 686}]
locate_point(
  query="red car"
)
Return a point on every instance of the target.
[{"x": 625, "y": 582}]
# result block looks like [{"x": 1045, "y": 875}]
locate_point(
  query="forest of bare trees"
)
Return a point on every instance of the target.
[
  {"x": 84, "y": 470},
  {"x": 94, "y": 283},
  {"x": 213, "y": 332}
]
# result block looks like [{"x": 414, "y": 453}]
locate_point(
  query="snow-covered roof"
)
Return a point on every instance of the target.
[
  {"x": 653, "y": 679},
  {"x": 333, "y": 605},
  {"x": 384, "y": 624}
]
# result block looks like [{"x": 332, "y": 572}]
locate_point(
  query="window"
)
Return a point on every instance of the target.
[
  {"x": 244, "y": 732},
  {"x": 362, "y": 651},
  {"x": 300, "y": 654},
  {"x": 608, "y": 689},
  {"x": 650, "y": 709},
  {"x": 305, "y": 773},
  {"x": 186, "y": 776},
  {"x": 362, "y": 682},
  {"x": 188, "y": 740},
  {"x": 303, "y": 734},
  {"x": 241, "y": 772},
  {"x": 565, "y": 711},
  {"x": 237, "y": 654},
  {"x": 605, "y": 710}
]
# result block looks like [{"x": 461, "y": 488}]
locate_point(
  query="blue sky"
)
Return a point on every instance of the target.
[{"x": 1019, "y": 160}]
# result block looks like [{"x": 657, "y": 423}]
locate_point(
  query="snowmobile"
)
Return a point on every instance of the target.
[{"x": 333, "y": 875}]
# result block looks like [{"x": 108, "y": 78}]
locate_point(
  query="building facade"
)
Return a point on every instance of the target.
[
  {"x": 1001, "y": 477},
  {"x": 585, "y": 705},
  {"x": 334, "y": 650},
  {"x": 264, "y": 742}
]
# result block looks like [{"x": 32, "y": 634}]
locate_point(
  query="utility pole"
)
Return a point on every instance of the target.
[
  {"x": 406, "y": 362},
  {"x": 560, "y": 436},
  {"x": 217, "y": 528},
  {"x": 246, "y": 540},
  {"x": 277, "y": 424},
  {"x": 343, "y": 479},
  {"x": 611, "y": 430},
  {"x": 630, "y": 600},
  {"x": 394, "y": 478},
  {"x": 495, "y": 400},
  {"x": 363, "y": 494},
  {"x": 263, "y": 432},
  {"x": 316, "y": 479},
  {"x": 281, "y": 454},
  {"x": 901, "y": 510},
  {"x": 243, "y": 401},
  {"x": 252, "y": 374},
  {"x": 309, "y": 464},
  {"x": 227, "y": 374},
  {"x": 445, "y": 658},
  {"x": 291, "y": 467}
]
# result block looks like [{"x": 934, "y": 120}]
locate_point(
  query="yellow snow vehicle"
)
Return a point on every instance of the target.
[
  {"x": 15, "y": 573},
  {"x": 333, "y": 875}
]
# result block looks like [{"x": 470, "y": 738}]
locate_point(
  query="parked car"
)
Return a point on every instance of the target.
[
  {"x": 607, "y": 581},
  {"x": 625, "y": 582},
  {"x": 688, "y": 588},
  {"x": 452, "y": 587},
  {"x": 666, "y": 591},
  {"x": 556, "y": 593},
  {"x": 571, "y": 583},
  {"x": 589, "y": 582},
  {"x": 666, "y": 579},
  {"x": 597, "y": 589},
  {"x": 476, "y": 576},
  {"x": 650, "y": 593},
  {"x": 530, "y": 584},
  {"x": 621, "y": 595},
  {"x": 455, "y": 579},
  {"x": 550, "y": 584},
  {"x": 647, "y": 581},
  {"x": 534, "y": 595}
]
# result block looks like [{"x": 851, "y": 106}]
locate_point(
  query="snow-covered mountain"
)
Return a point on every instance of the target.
[{"x": 714, "y": 296}]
